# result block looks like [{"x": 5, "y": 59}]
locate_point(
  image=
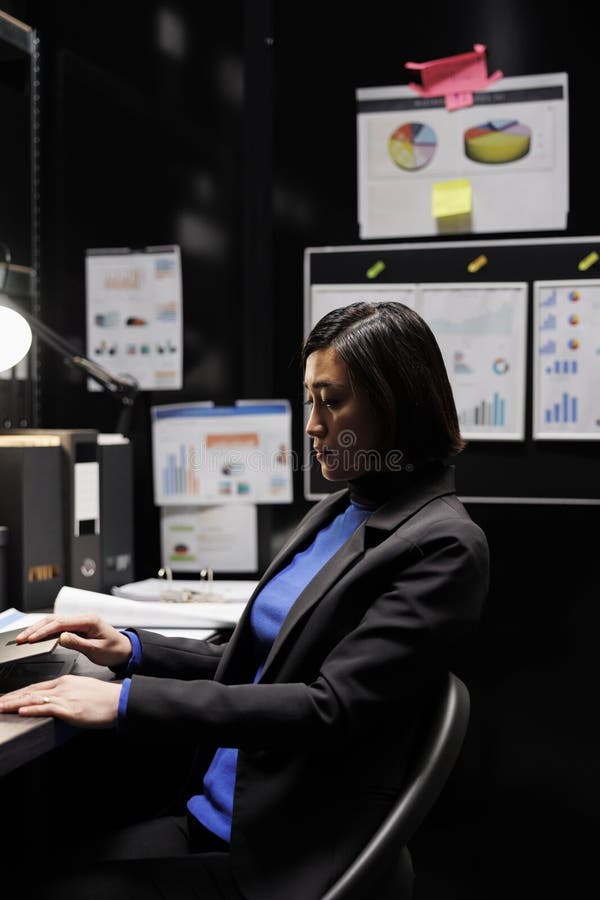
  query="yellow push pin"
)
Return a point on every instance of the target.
[
  {"x": 478, "y": 263},
  {"x": 588, "y": 261},
  {"x": 376, "y": 269}
]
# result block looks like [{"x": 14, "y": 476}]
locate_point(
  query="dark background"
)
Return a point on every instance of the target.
[{"x": 230, "y": 130}]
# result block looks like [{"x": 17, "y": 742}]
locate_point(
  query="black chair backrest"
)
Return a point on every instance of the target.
[{"x": 433, "y": 762}]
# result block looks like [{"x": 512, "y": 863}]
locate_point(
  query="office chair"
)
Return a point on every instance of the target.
[{"x": 428, "y": 772}]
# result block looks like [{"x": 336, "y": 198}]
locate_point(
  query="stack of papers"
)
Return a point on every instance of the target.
[{"x": 147, "y": 610}]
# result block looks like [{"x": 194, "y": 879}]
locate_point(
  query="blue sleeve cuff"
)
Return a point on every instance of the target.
[
  {"x": 135, "y": 660},
  {"x": 123, "y": 698}
]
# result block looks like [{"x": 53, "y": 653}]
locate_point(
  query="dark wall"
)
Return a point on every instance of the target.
[
  {"x": 142, "y": 130},
  {"x": 243, "y": 150}
]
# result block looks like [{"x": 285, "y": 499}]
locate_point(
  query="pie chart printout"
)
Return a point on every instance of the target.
[
  {"x": 498, "y": 141},
  {"x": 412, "y": 145}
]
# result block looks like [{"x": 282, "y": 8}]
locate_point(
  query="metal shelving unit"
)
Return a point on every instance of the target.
[{"x": 19, "y": 219}]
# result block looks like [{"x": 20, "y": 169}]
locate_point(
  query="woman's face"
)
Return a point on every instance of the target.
[{"x": 345, "y": 429}]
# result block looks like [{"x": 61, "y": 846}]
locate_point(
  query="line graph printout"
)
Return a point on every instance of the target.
[
  {"x": 482, "y": 332},
  {"x": 566, "y": 389},
  {"x": 327, "y": 297}
]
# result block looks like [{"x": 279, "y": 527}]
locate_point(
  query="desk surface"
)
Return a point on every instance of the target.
[{"x": 23, "y": 739}]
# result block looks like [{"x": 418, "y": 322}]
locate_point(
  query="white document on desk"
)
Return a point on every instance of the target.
[
  {"x": 122, "y": 611},
  {"x": 14, "y": 618}
]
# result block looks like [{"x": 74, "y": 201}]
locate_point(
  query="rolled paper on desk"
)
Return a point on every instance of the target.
[{"x": 121, "y": 612}]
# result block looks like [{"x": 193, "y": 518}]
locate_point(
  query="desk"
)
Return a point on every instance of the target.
[
  {"x": 24, "y": 739},
  {"x": 55, "y": 777}
]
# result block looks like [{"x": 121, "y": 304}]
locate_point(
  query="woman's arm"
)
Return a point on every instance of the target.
[
  {"x": 175, "y": 657},
  {"x": 377, "y": 652}
]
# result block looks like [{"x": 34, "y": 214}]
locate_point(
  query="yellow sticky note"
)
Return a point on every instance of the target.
[{"x": 451, "y": 198}]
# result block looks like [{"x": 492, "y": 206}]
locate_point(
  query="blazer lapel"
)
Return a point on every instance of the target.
[
  {"x": 418, "y": 493},
  {"x": 437, "y": 481},
  {"x": 331, "y": 572},
  {"x": 313, "y": 522},
  {"x": 387, "y": 518}
]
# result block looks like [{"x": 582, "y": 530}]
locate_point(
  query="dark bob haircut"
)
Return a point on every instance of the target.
[{"x": 392, "y": 354}]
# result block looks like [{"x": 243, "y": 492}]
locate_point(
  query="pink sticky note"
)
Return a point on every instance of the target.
[
  {"x": 458, "y": 100},
  {"x": 454, "y": 77}
]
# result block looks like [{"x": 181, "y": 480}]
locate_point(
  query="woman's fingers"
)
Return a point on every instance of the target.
[
  {"x": 54, "y": 625},
  {"x": 35, "y": 695},
  {"x": 79, "y": 700},
  {"x": 38, "y": 628}
]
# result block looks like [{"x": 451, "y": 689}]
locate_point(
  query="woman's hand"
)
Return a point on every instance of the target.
[
  {"x": 87, "y": 702},
  {"x": 90, "y": 635}
]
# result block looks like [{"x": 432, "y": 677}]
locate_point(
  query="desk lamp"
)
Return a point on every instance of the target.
[{"x": 16, "y": 327}]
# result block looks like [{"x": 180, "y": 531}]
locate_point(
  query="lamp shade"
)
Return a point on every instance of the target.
[{"x": 15, "y": 338}]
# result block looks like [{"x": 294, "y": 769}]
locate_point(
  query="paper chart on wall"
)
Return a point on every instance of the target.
[
  {"x": 221, "y": 538},
  {"x": 327, "y": 297},
  {"x": 566, "y": 397},
  {"x": 218, "y": 455},
  {"x": 135, "y": 315},
  {"x": 513, "y": 140},
  {"x": 481, "y": 329},
  {"x": 482, "y": 332}
]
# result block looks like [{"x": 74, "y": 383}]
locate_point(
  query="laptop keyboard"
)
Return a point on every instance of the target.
[{"x": 21, "y": 672}]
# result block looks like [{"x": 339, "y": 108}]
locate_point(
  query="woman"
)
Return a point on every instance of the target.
[{"x": 312, "y": 704}]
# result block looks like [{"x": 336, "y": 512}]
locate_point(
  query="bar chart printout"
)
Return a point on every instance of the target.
[
  {"x": 482, "y": 333},
  {"x": 487, "y": 412},
  {"x": 177, "y": 474},
  {"x": 563, "y": 411},
  {"x": 205, "y": 454},
  {"x": 566, "y": 396}
]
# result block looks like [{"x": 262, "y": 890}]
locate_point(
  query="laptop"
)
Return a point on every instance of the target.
[{"x": 24, "y": 664}]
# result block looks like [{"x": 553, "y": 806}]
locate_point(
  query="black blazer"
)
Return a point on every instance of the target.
[{"x": 324, "y": 736}]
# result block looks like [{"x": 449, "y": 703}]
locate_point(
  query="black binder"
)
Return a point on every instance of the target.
[
  {"x": 31, "y": 506},
  {"x": 81, "y": 465},
  {"x": 80, "y": 503},
  {"x": 116, "y": 510}
]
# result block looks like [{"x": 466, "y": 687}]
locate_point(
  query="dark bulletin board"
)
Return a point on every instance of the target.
[{"x": 529, "y": 471}]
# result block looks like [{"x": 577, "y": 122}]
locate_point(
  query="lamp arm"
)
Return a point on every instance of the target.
[{"x": 125, "y": 387}]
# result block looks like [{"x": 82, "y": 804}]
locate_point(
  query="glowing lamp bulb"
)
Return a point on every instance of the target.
[{"x": 15, "y": 338}]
